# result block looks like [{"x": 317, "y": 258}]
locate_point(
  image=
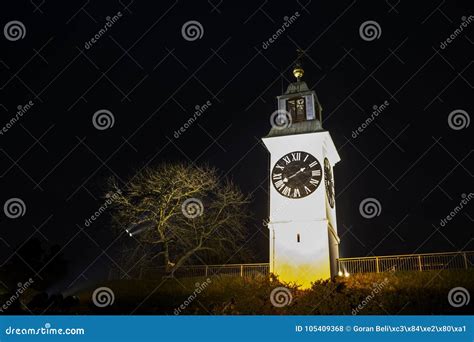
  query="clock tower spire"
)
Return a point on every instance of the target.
[
  {"x": 304, "y": 245},
  {"x": 298, "y": 71}
]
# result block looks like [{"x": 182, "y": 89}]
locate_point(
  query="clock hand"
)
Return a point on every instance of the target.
[
  {"x": 285, "y": 180},
  {"x": 298, "y": 172}
]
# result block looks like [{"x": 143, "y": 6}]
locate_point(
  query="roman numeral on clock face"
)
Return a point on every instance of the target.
[
  {"x": 296, "y": 156},
  {"x": 296, "y": 193},
  {"x": 313, "y": 164},
  {"x": 313, "y": 181},
  {"x": 287, "y": 160},
  {"x": 316, "y": 173},
  {"x": 276, "y": 176},
  {"x": 286, "y": 191},
  {"x": 279, "y": 185}
]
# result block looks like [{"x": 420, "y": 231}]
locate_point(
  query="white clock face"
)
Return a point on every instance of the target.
[{"x": 297, "y": 174}]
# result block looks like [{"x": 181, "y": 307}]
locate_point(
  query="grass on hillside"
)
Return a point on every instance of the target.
[{"x": 384, "y": 293}]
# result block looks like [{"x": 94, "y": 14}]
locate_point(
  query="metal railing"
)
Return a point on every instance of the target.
[
  {"x": 407, "y": 262},
  {"x": 375, "y": 264},
  {"x": 231, "y": 270}
]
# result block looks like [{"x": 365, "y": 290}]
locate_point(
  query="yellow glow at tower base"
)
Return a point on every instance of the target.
[
  {"x": 301, "y": 256},
  {"x": 303, "y": 274}
]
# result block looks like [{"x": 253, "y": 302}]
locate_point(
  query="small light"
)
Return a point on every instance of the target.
[
  {"x": 339, "y": 273},
  {"x": 346, "y": 274}
]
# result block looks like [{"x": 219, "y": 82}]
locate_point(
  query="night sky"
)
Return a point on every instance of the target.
[{"x": 412, "y": 158}]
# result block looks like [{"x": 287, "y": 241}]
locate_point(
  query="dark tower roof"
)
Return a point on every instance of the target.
[
  {"x": 299, "y": 110},
  {"x": 297, "y": 87}
]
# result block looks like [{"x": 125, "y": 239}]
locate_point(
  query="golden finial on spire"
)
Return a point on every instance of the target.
[{"x": 298, "y": 71}]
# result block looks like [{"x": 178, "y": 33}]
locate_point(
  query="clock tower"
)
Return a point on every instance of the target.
[{"x": 304, "y": 245}]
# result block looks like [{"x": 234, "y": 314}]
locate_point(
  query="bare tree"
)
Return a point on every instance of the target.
[{"x": 184, "y": 213}]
